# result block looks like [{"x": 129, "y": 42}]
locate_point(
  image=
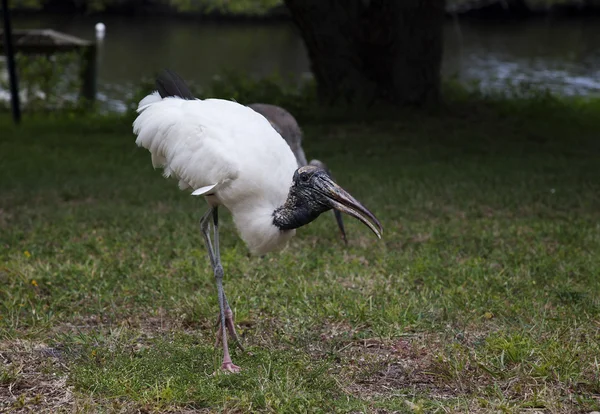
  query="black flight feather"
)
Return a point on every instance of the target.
[{"x": 170, "y": 83}]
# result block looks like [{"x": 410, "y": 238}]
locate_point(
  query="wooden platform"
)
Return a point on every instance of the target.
[{"x": 50, "y": 42}]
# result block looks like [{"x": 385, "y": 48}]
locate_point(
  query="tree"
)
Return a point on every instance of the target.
[{"x": 368, "y": 51}]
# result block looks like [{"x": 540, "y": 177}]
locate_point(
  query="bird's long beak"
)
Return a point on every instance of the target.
[{"x": 342, "y": 201}]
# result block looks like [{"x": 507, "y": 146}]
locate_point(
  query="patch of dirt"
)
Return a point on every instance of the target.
[
  {"x": 422, "y": 364},
  {"x": 410, "y": 365},
  {"x": 33, "y": 375},
  {"x": 378, "y": 368},
  {"x": 372, "y": 367},
  {"x": 157, "y": 322},
  {"x": 33, "y": 378}
]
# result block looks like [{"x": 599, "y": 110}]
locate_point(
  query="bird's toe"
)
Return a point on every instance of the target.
[{"x": 230, "y": 367}]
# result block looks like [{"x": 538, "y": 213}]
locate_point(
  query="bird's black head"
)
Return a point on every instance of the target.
[{"x": 313, "y": 192}]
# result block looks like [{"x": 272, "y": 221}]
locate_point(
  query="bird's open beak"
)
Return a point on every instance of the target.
[{"x": 344, "y": 202}]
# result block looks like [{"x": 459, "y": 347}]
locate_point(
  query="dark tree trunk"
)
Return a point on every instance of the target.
[{"x": 367, "y": 51}]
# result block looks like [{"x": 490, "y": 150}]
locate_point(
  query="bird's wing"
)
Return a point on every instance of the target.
[{"x": 190, "y": 139}]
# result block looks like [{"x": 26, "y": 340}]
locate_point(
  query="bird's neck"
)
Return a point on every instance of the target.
[{"x": 296, "y": 212}]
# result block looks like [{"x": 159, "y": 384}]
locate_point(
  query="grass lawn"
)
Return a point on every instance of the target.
[{"x": 483, "y": 296}]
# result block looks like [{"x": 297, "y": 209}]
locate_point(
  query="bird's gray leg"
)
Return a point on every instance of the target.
[
  {"x": 204, "y": 228},
  {"x": 218, "y": 268},
  {"x": 229, "y": 323},
  {"x": 215, "y": 261},
  {"x": 204, "y": 224}
]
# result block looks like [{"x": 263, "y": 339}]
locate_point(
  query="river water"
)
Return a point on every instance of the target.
[{"x": 562, "y": 55}]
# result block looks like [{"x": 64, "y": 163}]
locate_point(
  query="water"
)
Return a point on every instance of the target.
[{"x": 563, "y": 56}]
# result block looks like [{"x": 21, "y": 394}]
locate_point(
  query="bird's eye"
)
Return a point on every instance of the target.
[{"x": 304, "y": 177}]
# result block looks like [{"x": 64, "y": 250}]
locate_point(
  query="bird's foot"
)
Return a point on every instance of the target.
[{"x": 230, "y": 367}]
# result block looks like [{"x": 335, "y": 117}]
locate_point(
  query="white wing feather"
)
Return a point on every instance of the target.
[
  {"x": 227, "y": 147},
  {"x": 203, "y": 190},
  {"x": 181, "y": 140}
]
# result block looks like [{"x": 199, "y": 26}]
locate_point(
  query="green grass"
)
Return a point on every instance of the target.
[{"x": 483, "y": 295}]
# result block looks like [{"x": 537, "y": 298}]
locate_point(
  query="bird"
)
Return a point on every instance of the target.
[
  {"x": 287, "y": 126},
  {"x": 233, "y": 157}
]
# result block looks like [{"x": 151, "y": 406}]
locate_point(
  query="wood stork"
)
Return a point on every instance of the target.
[
  {"x": 231, "y": 155},
  {"x": 287, "y": 126}
]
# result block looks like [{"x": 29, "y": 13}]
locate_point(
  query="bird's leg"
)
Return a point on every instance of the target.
[
  {"x": 204, "y": 228},
  {"x": 204, "y": 224},
  {"x": 227, "y": 363},
  {"x": 230, "y": 326},
  {"x": 229, "y": 323},
  {"x": 215, "y": 260}
]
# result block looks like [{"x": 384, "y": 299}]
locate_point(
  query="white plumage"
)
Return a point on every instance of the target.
[{"x": 214, "y": 142}]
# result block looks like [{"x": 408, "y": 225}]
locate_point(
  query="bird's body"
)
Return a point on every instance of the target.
[
  {"x": 232, "y": 156},
  {"x": 214, "y": 142}
]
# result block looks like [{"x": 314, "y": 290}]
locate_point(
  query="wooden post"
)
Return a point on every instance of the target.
[
  {"x": 88, "y": 73},
  {"x": 10, "y": 59}
]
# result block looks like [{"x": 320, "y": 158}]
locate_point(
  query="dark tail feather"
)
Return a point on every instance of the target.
[{"x": 170, "y": 83}]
